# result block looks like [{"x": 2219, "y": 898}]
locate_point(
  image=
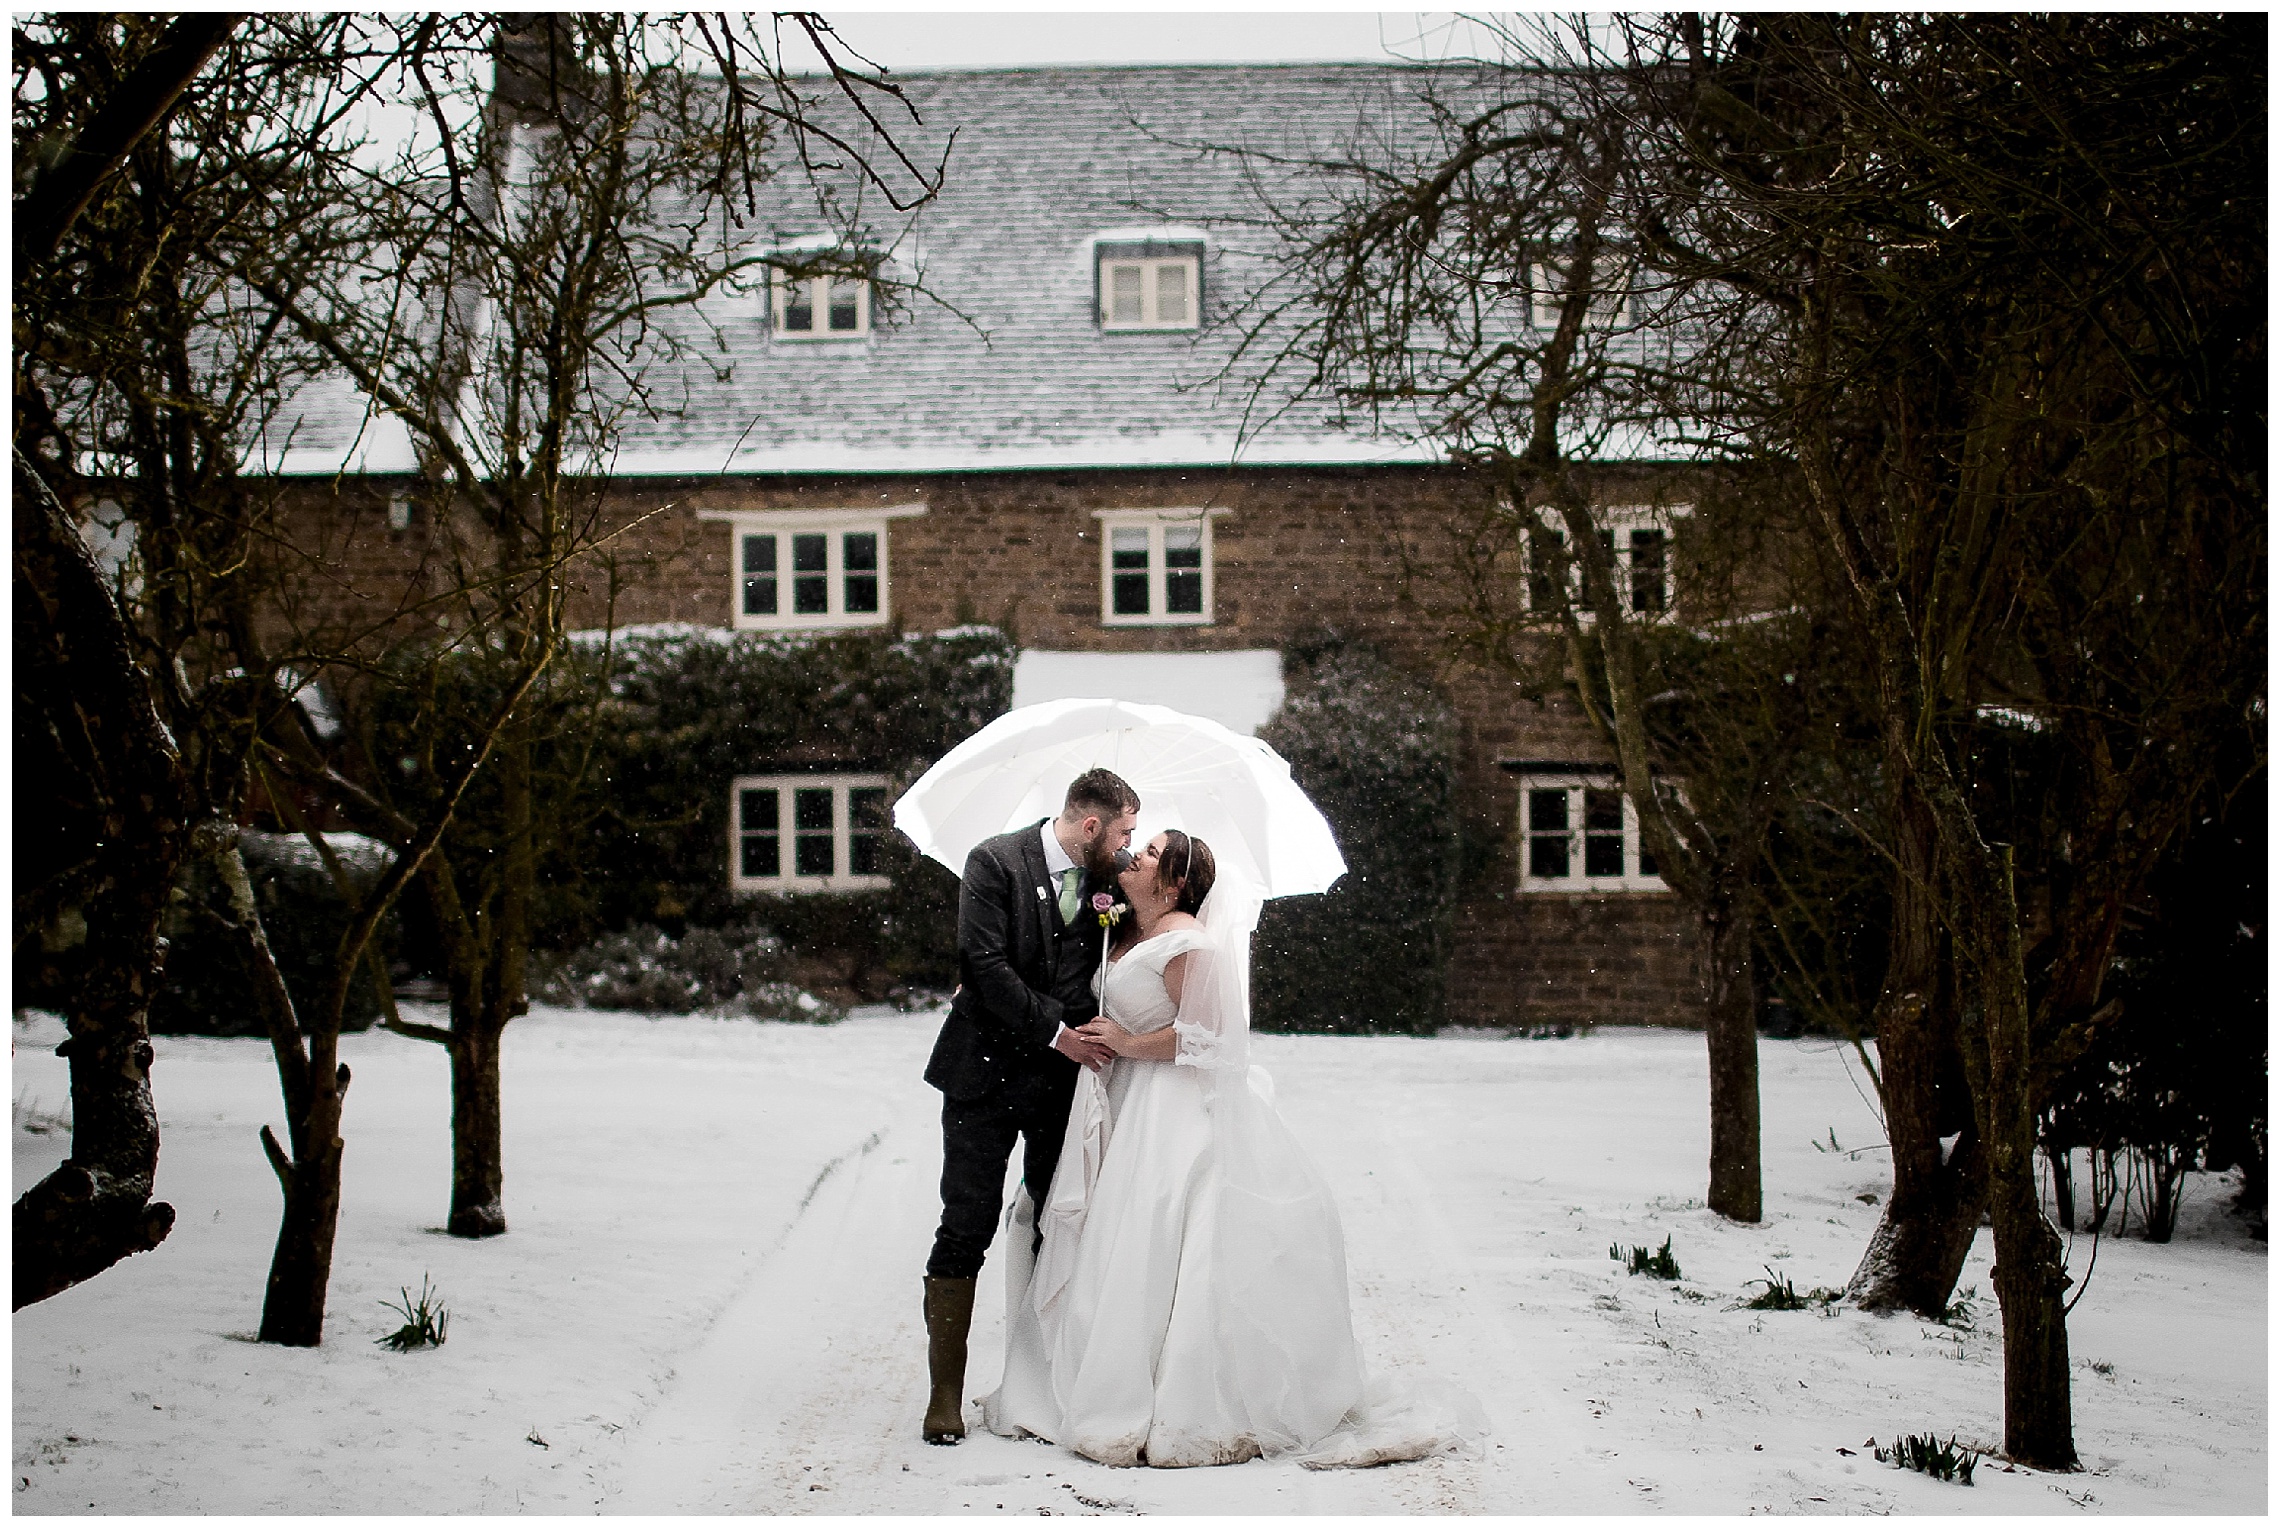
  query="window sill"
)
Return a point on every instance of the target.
[
  {"x": 808, "y": 884},
  {"x": 1610, "y": 886},
  {"x": 807, "y": 623},
  {"x": 1156, "y": 620}
]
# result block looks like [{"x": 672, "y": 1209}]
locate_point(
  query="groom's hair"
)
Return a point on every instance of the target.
[{"x": 1099, "y": 793}]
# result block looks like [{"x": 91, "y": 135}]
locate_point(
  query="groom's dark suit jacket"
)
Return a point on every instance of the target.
[{"x": 1022, "y": 973}]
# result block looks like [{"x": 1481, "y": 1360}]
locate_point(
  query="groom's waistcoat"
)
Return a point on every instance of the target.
[{"x": 1022, "y": 972}]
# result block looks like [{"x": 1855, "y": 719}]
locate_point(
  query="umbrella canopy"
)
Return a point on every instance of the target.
[{"x": 1232, "y": 791}]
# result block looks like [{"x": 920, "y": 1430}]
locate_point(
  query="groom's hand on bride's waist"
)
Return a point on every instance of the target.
[{"x": 1085, "y": 1052}]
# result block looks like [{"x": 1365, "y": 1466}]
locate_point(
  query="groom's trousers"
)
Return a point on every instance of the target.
[{"x": 977, "y": 1141}]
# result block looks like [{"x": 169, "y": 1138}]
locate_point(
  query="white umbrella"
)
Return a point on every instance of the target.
[{"x": 1232, "y": 791}]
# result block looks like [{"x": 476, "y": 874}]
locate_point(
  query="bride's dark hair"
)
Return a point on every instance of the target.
[{"x": 1186, "y": 859}]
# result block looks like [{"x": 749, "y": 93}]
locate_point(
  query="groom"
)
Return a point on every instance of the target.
[{"x": 1007, "y": 1058}]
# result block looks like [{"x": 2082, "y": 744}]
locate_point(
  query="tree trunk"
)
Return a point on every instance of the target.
[
  {"x": 1938, "y": 1191},
  {"x": 300, "y": 1270},
  {"x": 478, "y": 1165},
  {"x": 1736, "y": 1182},
  {"x": 116, "y": 820},
  {"x": 2030, "y": 1271}
]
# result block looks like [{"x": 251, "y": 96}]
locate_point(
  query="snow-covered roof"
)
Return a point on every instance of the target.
[
  {"x": 1239, "y": 690},
  {"x": 1046, "y": 164}
]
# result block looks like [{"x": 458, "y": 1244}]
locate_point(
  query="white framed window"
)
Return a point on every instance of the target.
[
  {"x": 1155, "y": 567},
  {"x": 1638, "y": 540},
  {"x": 807, "y": 833},
  {"x": 1145, "y": 288},
  {"x": 1580, "y": 832},
  {"x": 809, "y": 570},
  {"x": 819, "y": 307}
]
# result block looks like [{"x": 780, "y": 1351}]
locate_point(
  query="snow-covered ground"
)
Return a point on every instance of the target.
[{"x": 709, "y": 1300}]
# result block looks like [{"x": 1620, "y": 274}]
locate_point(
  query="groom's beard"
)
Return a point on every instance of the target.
[{"x": 1101, "y": 861}]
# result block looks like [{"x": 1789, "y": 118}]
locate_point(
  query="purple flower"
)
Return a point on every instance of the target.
[{"x": 1102, "y": 902}]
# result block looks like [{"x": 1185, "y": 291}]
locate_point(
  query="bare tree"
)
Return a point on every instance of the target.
[
  {"x": 1999, "y": 272},
  {"x": 1474, "y": 284},
  {"x": 529, "y": 279}
]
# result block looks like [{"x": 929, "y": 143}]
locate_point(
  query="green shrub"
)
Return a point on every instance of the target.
[
  {"x": 1925, "y": 1452},
  {"x": 1375, "y": 748},
  {"x": 207, "y": 988},
  {"x": 1780, "y": 1294},
  {"x": 645, "y": 969},
  {"x": 689, "y": 709},
  {"x": 426, "y": 1322},
  {"x": 1660, "y": 1264}
]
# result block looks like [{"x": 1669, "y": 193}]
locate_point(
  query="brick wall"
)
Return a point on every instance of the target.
[{"x": 1298, "y": 549}]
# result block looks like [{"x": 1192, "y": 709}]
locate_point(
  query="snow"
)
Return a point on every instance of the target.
[
  {"x": 1239, "y": 690},
  {"x": 709, "y": 1297}
]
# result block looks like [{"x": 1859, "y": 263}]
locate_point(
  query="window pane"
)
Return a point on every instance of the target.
[
  {"x": 866, "y": 823},
  {"x": 799, "y": 306},
  {"x": 845, "y": 318},
  {"x": 1548, "y": 856},
  {"x": 1603, "y": 854},
  {"x": 1603, "y": 833},
  {"x": 810, "y": 596},
  {"x": 811, "y": 810},
  {"x": 1649, "y": 593},
  {"x": 812, "y": 854},
  {"x": 1548, "y": 811},
  {"x": 763, "y": 856},
  {"x": 1183, "y": 594},
  {"x": 1128, "y": 555},
  {"x": 1543, "y": 556},
  {"x": 759, "y": 575},
  {"x": 1124, "y": 294},
  {"x": 1646, "y": 862},
  {"x": 1183, "y": 546},
  {"x": 760, "y": 850},
  {"x": 860, "y": 557},
  {"x": 1171, "y": 292},
  {"x": 811, "y": 845}
]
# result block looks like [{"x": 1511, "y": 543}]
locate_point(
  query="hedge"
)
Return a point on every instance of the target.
[{"x": 1376, "y": 750}]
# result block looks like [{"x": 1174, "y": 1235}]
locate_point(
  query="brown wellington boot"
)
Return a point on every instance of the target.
[{"x": 949, "y": 1312}]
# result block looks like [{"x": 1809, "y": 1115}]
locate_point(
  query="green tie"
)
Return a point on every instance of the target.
[{"x": 1069, "y": 886}]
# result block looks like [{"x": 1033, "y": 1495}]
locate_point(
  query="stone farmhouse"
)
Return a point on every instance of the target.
[{"x": 1056, "y": 448}]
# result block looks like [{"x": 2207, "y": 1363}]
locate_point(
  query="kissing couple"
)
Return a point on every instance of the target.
[{"x": 1176, "y": 1269}]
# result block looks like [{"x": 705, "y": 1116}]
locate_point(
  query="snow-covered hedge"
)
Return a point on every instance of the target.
[
  {"x": 1376, "y": 749},
  {"x": 303, "y": 915},
  {"x": 690, "y": 709},
  {"x": 732, "y": 971}
]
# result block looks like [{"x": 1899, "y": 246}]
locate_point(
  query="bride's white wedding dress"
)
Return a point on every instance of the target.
[{"x": 1188, "y": 1303}]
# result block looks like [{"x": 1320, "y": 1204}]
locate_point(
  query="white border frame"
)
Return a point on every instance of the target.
[
  {"x": 1155, "y": 520},
  {"x": 1622, "y": 519},
  {"x": 1149, "y": 264},
  {"x": 819, "y": 294},
  {"x": 840, "y": 826},
  {"x": 1578, "y": 883},
  {"x": 832, "y": 522}
]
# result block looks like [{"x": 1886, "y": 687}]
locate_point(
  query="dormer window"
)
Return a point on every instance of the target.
[
  {"x": 1149, "y": 284},
  {"x": 820, "y": 307}
]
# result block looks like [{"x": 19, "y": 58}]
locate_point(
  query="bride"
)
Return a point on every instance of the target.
[{"x": 1181, "y": 1299}]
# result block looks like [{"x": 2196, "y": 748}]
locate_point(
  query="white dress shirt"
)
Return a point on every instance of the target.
[{"x": 1057, "y": 863}]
